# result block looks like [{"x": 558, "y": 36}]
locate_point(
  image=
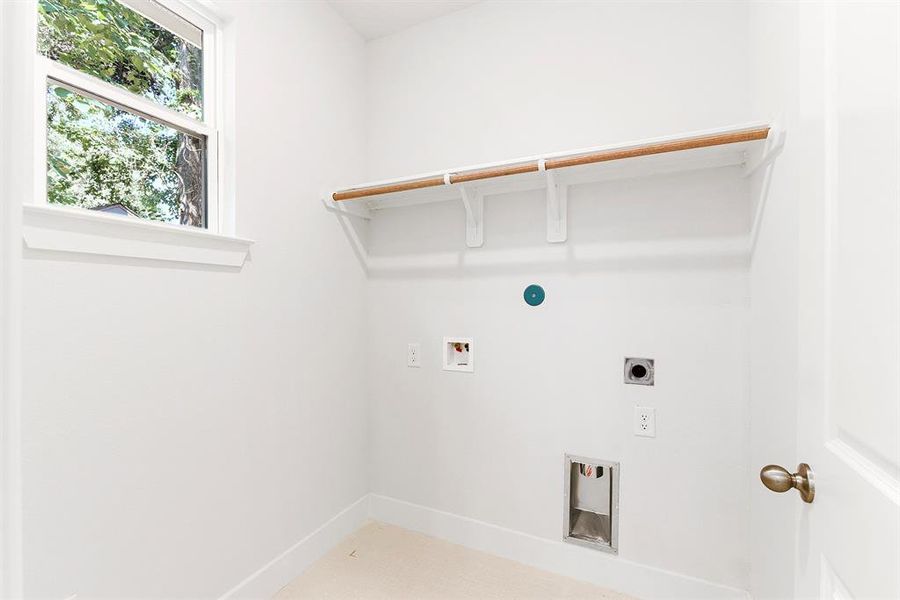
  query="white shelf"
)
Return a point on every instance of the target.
[{"x": 751, "y": 145}]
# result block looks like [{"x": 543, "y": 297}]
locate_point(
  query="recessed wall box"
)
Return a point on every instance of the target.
[
  {"x": 459, "y": 354},
  {"x": 591, "y": 508},
  {"x": 639, "y": 371}
]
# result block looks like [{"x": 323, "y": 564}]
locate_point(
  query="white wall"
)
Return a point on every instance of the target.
[
  {"x": 183, "y": 426},
  {"x": 652, "y": 268},
  {"x": 503, "y": 79}
]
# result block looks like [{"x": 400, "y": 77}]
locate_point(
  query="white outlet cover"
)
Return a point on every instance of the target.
[
  {"x": 644, "y": 421},
  {"x": 414, "y": 355}
]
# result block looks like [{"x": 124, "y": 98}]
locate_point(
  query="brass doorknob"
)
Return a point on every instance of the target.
[{"x": 778, "y": 479}]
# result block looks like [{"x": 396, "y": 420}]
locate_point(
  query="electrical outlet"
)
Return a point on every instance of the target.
[
  {"x": 644, "y": 421},
  {"x": 413, "y": 355}
]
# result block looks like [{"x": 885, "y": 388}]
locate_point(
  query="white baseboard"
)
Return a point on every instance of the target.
[
  {"x": 282, "y": 569},
  {"x": 611, "y": 572},
  {"x": 570, "y": 560}
]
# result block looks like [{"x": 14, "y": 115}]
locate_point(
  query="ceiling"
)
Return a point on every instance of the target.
[{"x": 377, "y": 18}]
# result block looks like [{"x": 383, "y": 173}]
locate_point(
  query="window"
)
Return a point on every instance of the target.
[{"x": 130, "y": 119}]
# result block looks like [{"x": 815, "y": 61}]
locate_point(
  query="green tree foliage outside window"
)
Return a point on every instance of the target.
[{"x": 99, "y": 154}]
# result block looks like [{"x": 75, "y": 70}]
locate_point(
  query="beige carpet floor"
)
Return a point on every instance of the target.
[{"x": 381, "y": 562}]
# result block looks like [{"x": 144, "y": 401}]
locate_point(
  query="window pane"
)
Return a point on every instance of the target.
[
  {"x": 108, "y": 40},
  {"x": 104, "y": 158}
]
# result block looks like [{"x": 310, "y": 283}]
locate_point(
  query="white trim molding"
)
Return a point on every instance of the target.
[
  {"x": 76, "y": 230},
  {"x": 608, "y": 571},
  {"x": 281, "y": 570},
  {"x": 17, "y": 40},
  {"x": 612, "y": 572}
]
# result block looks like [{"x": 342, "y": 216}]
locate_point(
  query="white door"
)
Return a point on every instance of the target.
[{"x": 848, "y": 543}]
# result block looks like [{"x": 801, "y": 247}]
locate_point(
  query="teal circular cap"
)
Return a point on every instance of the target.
[{"x": 534, "y": 295}]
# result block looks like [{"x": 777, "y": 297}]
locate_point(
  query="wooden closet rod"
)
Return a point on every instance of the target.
[{"x": 703, "y": 141}]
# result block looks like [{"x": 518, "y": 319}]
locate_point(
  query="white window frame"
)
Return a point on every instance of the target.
[
  {"x": 50, "y": 72},
  {"x": 58, "y": 228}
]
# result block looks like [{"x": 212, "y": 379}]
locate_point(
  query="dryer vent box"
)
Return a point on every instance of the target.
[
  {"x": 591, "y": 510},
  {"x": 640, "y": 371}
]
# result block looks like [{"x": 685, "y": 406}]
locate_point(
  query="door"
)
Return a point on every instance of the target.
[{"x": 848, "y": 543}]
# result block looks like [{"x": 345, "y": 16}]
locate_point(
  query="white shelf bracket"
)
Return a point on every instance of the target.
[
  {"x": 360, "y": 211},
  {"x": 557, "y": 209},
  {"x": 473, "y": 202},
  {"x": 774, "y": 146}
]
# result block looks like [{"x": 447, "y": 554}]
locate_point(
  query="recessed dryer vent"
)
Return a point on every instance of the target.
[
  {"x": 591, "y": 512},
  {"x": 639, "y": 371}
]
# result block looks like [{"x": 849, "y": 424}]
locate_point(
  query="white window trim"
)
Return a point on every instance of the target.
[
  {"x": 65, "y": 229},
  {"x": 62, "y": 229}
]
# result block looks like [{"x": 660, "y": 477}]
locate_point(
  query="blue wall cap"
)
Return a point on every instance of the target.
[{"x": 534, "y": 294}]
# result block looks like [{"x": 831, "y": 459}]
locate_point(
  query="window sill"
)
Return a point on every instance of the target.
[{"x": 61, "y": 229}]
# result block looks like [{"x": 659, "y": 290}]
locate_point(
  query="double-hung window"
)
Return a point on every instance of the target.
[{"x": 130, "y": 122}]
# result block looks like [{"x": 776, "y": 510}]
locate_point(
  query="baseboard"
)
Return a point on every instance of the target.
[
  {"x": 570, "y": 560},
  {"x": 282, "y": 569},
  {"x": 612, "y": 572}
]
